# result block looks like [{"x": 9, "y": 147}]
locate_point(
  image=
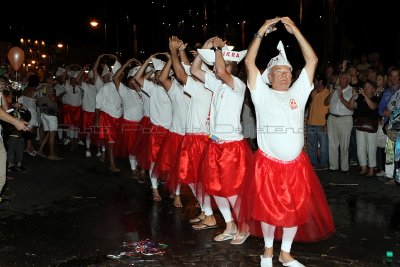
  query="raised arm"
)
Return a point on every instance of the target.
[
  {"x": 252, "y": 51},
  {"x": 182, "y": 53},
  {"x": 195, "y": 69},
  {"x": 220, "y": 66},
  {"x": 96, "y": 67},
  {"x": 164, "y": 75},
  {"x": 175, "y": 47},
  {"x": 140, "y": 74},
  {"x": 309, "y": 55},
  {"x": 79, "y": 77},
  {"x": 118, "y": 75}
]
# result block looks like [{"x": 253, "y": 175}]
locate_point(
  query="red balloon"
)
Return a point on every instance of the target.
[{"x": 16, "y": 56}]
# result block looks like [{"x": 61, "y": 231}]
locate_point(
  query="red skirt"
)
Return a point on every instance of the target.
[
  {"x": 72, "y": 115},
  {"x": 126, "y": 140},
  {"x": 108, "y": 127},
  {"x": 189, "y": 155},
  {"x": 223, "y": 167},
  {"x": 87, "y": 126},
  {"x": 87, "y": 122},
  {"x": 285, "y": 194},
  {"x": 157, "y": 135},
  {"x": 166, "y": 159},
  {"x": 141, "y": 148}
]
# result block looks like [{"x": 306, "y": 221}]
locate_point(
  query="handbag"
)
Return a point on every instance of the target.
[
  {"x": 381, "y": 137},
  {"x": 392, "y": 126},
  {"x": 365, "y": 124}
]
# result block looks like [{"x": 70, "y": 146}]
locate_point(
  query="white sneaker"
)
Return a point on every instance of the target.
[
  {"x": 88, "y": 154},
  {"x": 81, "y": 143},
  {"x": 98, "y": 154}
]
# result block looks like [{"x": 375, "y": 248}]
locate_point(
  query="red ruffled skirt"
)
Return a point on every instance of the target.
[
  {"x": 166, "y": 158},
  {"x": 223, "y": 167},
  {"x": 157, "y": 135},
  {"x": 141, "y": 148},
  {"x": 108, "y": 127},
  {"x": 87, "y": 126},
  {"x": 186, "y": 168},
  {"x": 87, "y": 122},
  {"x": 127, "y": 132},
  {"x": 72, "y": 115},
  {"x": 285, "y": 194}
]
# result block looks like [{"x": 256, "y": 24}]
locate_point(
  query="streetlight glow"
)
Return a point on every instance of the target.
[{"x": 94, "y": 23}]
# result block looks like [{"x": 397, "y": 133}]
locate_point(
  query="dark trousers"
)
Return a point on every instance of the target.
[{"x": 15, "y": 150}]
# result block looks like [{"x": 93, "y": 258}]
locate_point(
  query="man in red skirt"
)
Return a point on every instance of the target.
[
  {"x": 285, "y": 190},
  {"x": 226, "y": 157}
]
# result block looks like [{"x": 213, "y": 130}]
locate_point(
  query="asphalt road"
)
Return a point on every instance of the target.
[{"x": 74, "y": 212}]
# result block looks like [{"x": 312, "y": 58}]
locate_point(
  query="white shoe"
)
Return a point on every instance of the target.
[
  {"x": 293, "y": 264},
  {"x": 88, "y": 154},
  {"x": 380, "y": 173},
  {"x": 98, "y": 154},
  {"x": 81, "y": 143},
  {"x": 265, "y": 262},
  {"x": 66, "y": 142}
]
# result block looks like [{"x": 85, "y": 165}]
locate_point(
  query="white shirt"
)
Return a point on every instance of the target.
[
  {"x": 109, "y": 101},
  {"x": 73, "y": 96},
  {"x": 336, "y": 106},
  {"x": 226, "y": 106},
  {"x": 59, "y": 89},
  {"x": 280, "y": 117},
  {"x": 198, "y": 118},
  {"x": 180, "y": 105},
  {"x": 146, "y": 103},
  {"x": 160, "y": 104},
  {"x": 89, "y": 97},
  {"x": 132, "y": 103},
  {"x": 98, "y": 83}
]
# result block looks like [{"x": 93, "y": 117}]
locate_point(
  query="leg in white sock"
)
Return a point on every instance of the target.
[
  {"x": 60, "y": 133},
  {"x": 225, "y": 209},
  {"x": 76, "y": 133},
  {"x": 154, "y": 184},
  {"x": 178, "y": 189},
  {"x": 268, "y": 233},
  {"x": 88, "y": 141},
  {"x": 287, "y": 240},
  {"x": 151, "y": 168},
  {"x": 192, "y": 188},
  {"x": 133, "y": 162}
]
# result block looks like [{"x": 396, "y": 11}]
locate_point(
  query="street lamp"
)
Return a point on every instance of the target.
[
  {"x": 94, "y": 24},
  {"x": 61, "y": 45}
]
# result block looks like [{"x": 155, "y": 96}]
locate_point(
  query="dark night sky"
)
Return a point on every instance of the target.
[{"x": 363, "y": 25}]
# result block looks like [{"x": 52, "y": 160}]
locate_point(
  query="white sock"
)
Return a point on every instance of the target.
[
  {"x": 60, "y": 133},
  {"x": 76, "y": 133},
  {"x": 224, "y": 208},
  {"x": 88, "y": 142},
  {"x": 191, "y": 186},
  {"x": 178, "y": 189},
  {"x": 268, "y": 233},
  {"x": 287, "y": 238},
  {"x": 132, "y": 161}
]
